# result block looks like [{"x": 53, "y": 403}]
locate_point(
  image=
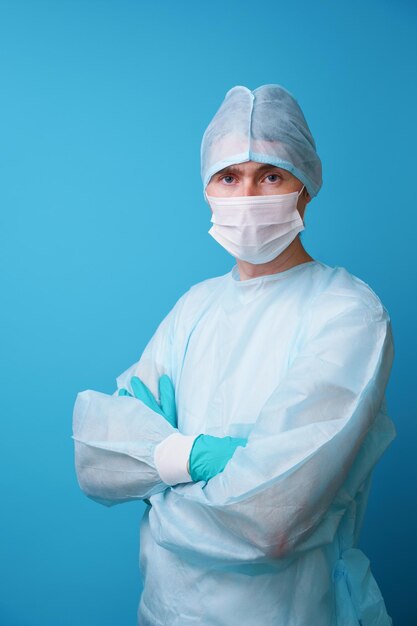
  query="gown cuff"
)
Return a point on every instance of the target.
[{"x": 171, "y": 458}]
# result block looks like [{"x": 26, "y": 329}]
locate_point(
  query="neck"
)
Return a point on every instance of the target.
[{"x": 292, "y": 256}]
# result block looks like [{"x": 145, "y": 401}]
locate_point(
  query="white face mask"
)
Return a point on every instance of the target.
[{"x": 256, "y": 228}]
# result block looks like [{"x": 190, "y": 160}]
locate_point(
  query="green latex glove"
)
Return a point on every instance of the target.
[
  {"x": 166, "y": 408},
  {"x": 210, "y": 455}
]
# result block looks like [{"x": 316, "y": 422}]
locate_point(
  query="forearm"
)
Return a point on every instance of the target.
[
  {"x": 262, "y": 508},
  {"x": 115, "y": 443}
]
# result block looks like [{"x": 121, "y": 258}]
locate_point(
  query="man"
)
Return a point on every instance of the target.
[{"x": 256, "y": 461}]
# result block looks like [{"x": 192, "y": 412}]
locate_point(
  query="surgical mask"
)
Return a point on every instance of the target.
[{"x": 256, "y": 229}]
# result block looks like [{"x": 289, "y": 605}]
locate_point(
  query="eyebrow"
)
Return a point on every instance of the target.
[{"x": 238, "y": 170}]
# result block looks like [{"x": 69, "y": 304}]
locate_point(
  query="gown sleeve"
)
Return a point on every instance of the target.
[
  {"x": 115, "y": 436},
  {"x": 312, "y": 448}
]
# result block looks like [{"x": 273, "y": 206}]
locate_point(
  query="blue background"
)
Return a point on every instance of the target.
[{"x": 103, "y": 226}]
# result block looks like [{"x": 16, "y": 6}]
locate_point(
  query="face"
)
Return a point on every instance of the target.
[{"x": 255, "y": 179}]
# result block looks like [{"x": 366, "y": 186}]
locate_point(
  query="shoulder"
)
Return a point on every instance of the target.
[
  {"x": 339, "y": 291},
  {"x": 208, "y": 286},
  {"x": 199, "y": 296}
]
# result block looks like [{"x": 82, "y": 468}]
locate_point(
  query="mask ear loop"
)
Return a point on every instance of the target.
[{"x": 299, "y": 194}]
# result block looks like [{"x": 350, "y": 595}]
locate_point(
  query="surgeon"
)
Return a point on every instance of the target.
[{"x": 253, "y": 420}]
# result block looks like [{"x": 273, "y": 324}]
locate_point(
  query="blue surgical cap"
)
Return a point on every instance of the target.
[{"x": 265, "y": 125}]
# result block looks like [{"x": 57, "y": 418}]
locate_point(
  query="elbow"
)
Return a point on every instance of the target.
[
  {"x": 286, "y": 540},
  {"x": 282, "y": 547},
  {"x": 91, "y": 488},
  {"x": 270, "y": 541},
  {"x": 294, "y": 539},
  {"x": 107, "y": 486},
  {"x": 93, "y": 481}
]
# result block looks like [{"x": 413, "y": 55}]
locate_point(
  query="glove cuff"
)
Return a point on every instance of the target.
[{"x": 171, "y": 458}]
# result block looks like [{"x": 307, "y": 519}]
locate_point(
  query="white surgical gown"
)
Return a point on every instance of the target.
[{"x": 297, "y": 362}]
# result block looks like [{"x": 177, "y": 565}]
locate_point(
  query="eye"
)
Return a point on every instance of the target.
[
  {"x": 273, "y": 178},
  {"x": 228, "y": 179}
]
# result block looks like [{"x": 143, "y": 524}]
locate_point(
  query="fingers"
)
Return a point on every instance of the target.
[
  {"x": 124, "y": 392},
  {"x": 142, "y": 393},
  {"x": 166, "y": 394},
  {"x": 167, "y": 399}
]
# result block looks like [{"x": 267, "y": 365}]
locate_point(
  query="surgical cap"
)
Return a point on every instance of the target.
[{"x": 265, "y": 125}]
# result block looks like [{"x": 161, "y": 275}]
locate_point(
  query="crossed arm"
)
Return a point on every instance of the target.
[{"x": 312, "y": 447}]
